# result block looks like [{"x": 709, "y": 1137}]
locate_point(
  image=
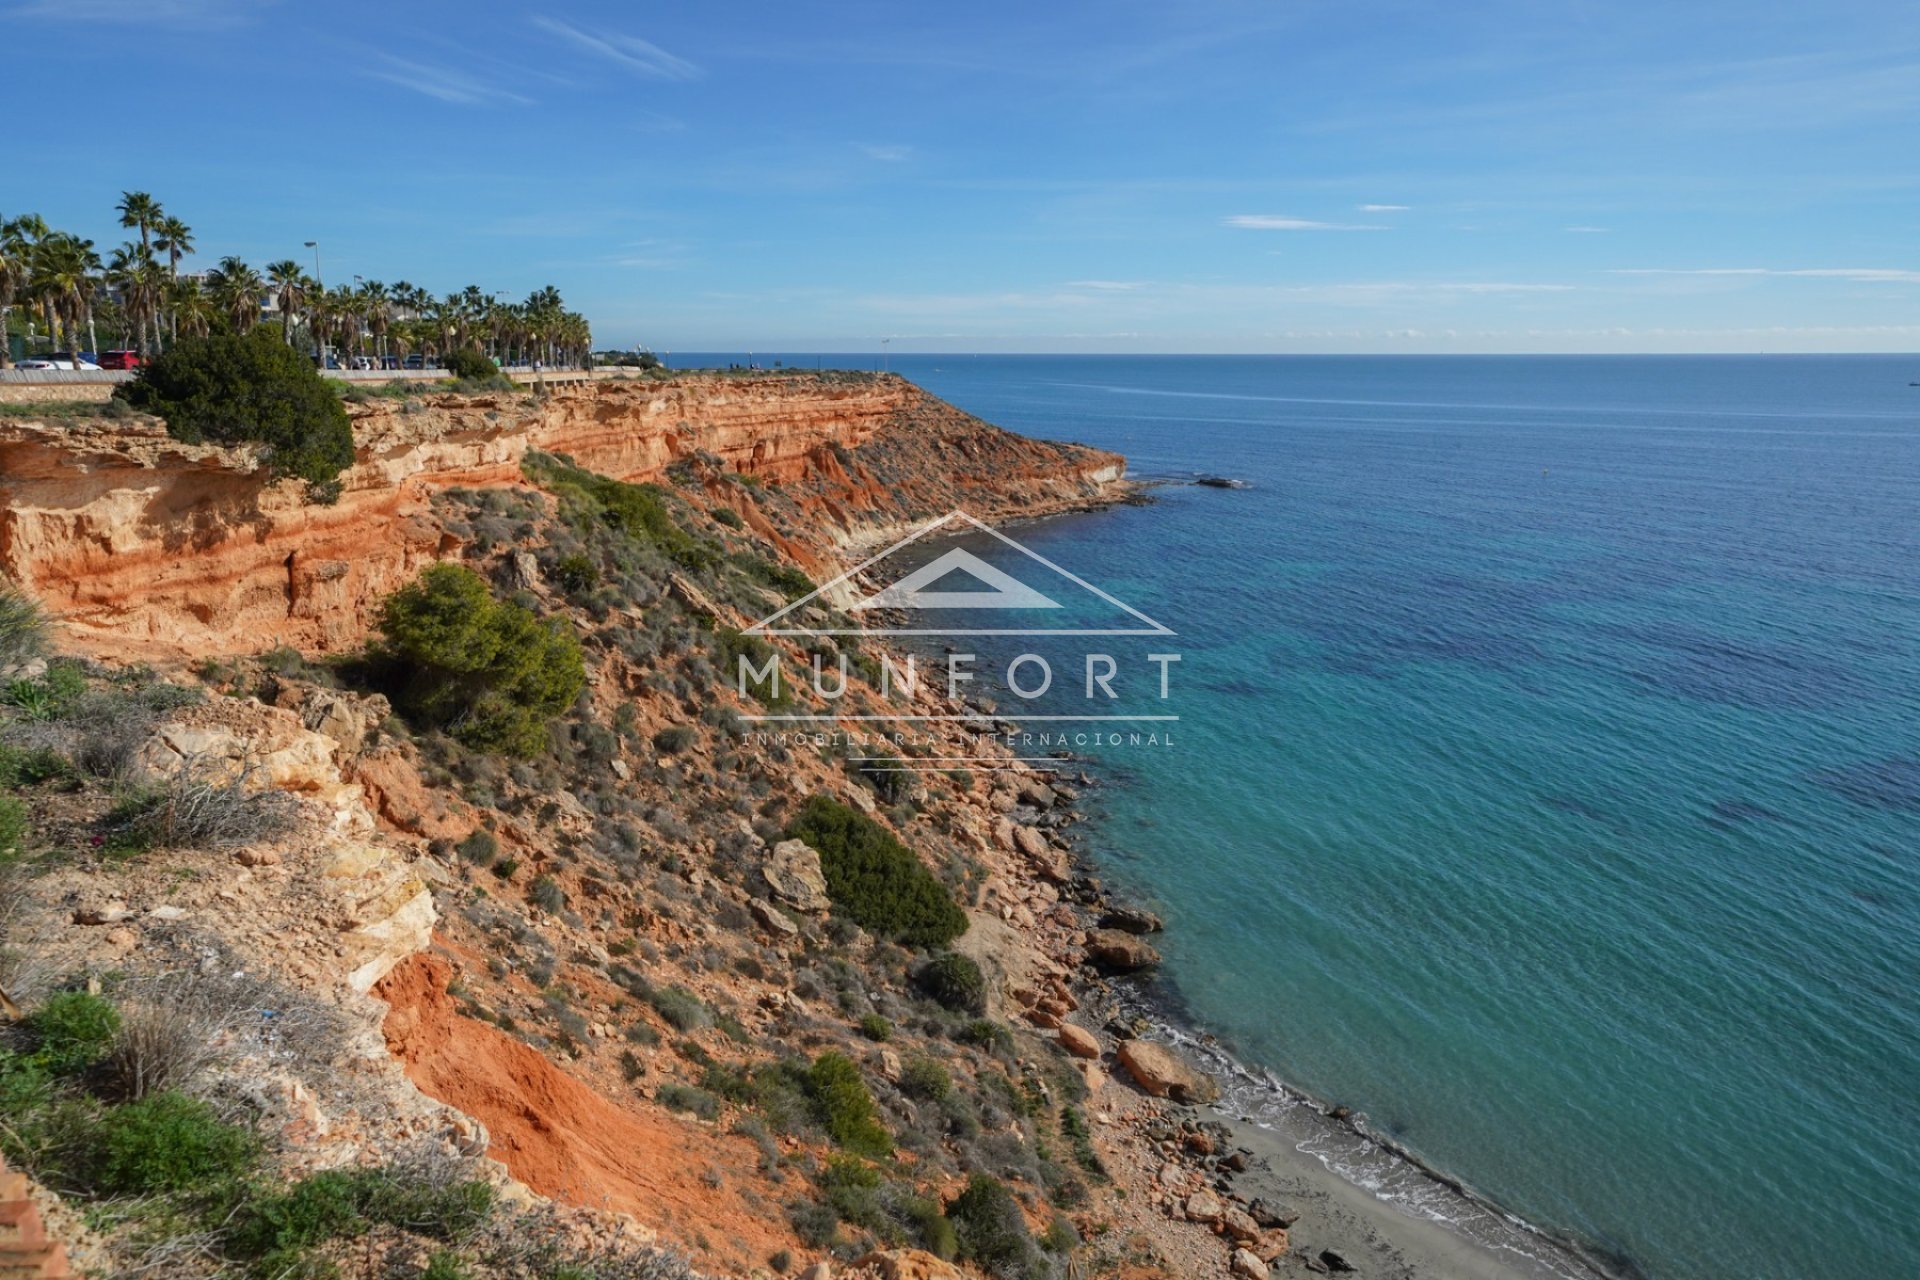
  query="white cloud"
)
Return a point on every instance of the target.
[
  {"x": 1383, "y": 208},
  {"x": 189, "y": 13},
  {"x": 1106, "y": 286},
  {"x": 1275, "y": 222},
  {"x": 631, "y": 52},
  {"x": 443, "y": 83},
  {"x": 1868, "y": 275},
  {"x": 1586, "y": 231},
  {"x": 888, "y": 154}
]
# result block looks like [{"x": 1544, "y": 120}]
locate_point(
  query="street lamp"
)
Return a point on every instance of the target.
[{"x": 317, "y": 281}]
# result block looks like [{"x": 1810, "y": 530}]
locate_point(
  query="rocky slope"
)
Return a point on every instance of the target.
[{"x": 145, "y": 547}]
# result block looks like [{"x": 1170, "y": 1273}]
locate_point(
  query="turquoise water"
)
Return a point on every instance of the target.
[{"x": 1547, "y": 784}]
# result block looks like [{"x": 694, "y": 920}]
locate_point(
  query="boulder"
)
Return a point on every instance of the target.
[
  {"x": 908, "y": 1264},
  {"x": 818, "y": 1271},
  {"x": 1160, "y": 1072},
  {"x": 1037, "y": 793},
  {"x": 1272, "y": 1216},
  {"x": 1247, "y": 1265},
  {"x": 792, "y": 870},
  {"x": 1130, "y": 920},
  {"x": 1335, "y": 1262},
  {"x": 1047, "y": 858},
  {"x": 523, "y": 571},
  {"x": 1203, "y": 1207},
  {"x": 1240, "y": 1225},
  {"x": 1123, "y": 952},
  {"x": 772, "y": 919},
  {"x": 1078, "y": 1041}
]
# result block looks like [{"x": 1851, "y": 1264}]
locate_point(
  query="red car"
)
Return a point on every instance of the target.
[{"x": 119, "y": 359}]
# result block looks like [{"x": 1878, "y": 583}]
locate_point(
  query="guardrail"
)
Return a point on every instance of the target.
[{"x": 59, "y": 377}]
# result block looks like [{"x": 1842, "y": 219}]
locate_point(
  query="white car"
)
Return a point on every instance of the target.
[{"x": 65, "y": 360}]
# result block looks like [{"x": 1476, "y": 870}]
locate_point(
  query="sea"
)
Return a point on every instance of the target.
[{"x": 1545, "y": 784}]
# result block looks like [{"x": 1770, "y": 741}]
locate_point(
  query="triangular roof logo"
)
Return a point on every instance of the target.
[
  {"x": 920, "y": 590},
  {"x": 915, "y": 590}
]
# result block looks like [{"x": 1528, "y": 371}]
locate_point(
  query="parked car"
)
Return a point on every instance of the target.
[
  {"x": 64, "y": 360},
  {"x": 416, "y": 362},
  {"x": 389, "y": 362},
  {"x": 120, "y": 360}
]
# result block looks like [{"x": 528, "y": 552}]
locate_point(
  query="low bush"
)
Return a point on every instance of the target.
[
  {"x": 23, "y": 628},
  {"x": 253, "y": 389},
  {"x": 844, "y": 1107},
  {"x": 465, "y": 363},
  {"x": 992, "y": 1233},
  {"x": 275, "y": 1229},
  {"x": 675, "y": 739},
  {"x": 576, "y": 573},
  {"x": 925, "y": 1079},
  {"x": 73, "y": 1030},
  {"x": 683, "y": 1010},
  {"x": 955, "y": 981},
  {"x": 684, "y": 1097},
  {"x": 485, "y": 670},
  {"x": 876, "y": 880},
  {"x": 168, "y": 1142},
  {"x": 198, "y": 808},
  {"x": 479, "y": 847},
  {"x": 875, "y": 1027}
]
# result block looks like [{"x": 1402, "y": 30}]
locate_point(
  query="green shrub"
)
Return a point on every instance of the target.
[
  {"x": 844, "y": 1107},
  {"x": 23, "y": 628},
  {"x": 955, "y": 981},
  {"x": 545, "y": 893},
  {"x": 15, "y": 830},
  {"x": 168, "y": 1142},
  {"x": 230, "y": 389},
  {"x": 683, "y": 1010},
  {"x": 876, "y": 880},
  {"x": 51, "y": 697},
  {"x": 675, "y": 739},
  {"x": 485, "y": 670},
  {"x": 740, "y": 657},
  {"x": 727, "y": 516},
  {"x": 990, "y": 1231},
  {"x": 926, "y": 1079},
  {"x": 875, "y": 1027},
  {"x": 576, "y": 573},
  {"x": 466, "y": 363},
  {"x": 480, "y": 847},
  {"x": 684, "y": 1097},
  {"x": 74, "y": 1030},
  {"x": 23, "y": 767},
  {"x": 344, "y": 1203}
]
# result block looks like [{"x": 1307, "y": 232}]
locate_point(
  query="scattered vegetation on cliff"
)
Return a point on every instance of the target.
[
  {"x": 876, "y": 880},
  {"x": 230, "y": 389},
  {"x": 23, "y": 628},
  {"x": 485, "y": 670}
]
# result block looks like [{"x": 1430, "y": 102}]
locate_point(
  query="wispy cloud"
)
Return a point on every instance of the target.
[
  {"x": 1383, "y": 208},
  {"x": 444, "y": 83},
  {"x": 1275, "y": 222},
  {"x": 631, "y": 52},
  {"x": 1105, "y": 286},
  {"x": 1585, "y": 231},
  {"x": 1867, "y": 275},
  {"x": 888, "y": 154}
]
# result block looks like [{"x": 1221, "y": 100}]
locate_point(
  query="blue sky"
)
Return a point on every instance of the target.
[{"x": 1213, "y": 175}]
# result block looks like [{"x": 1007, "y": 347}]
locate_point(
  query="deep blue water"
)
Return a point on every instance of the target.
[{"x": 1548, "y": 776}]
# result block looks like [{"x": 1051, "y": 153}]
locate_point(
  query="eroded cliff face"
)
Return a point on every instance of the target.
[{"x": 142, "y": 546}]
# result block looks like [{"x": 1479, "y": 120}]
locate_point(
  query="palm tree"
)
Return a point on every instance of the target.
[
  {"x": 236, "y": 289},
  {"x": 379, "y": 303},
  {"x": 191, "y": 308},
  {"x": 176, "y": 240},
  {"x": 294, "y": 290},
  {"x": 15, "y": 270},
  {"x": 142, "y": 285},
  {"x": 62, "y": 277},
  {"x": 138, "y": 209}
]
